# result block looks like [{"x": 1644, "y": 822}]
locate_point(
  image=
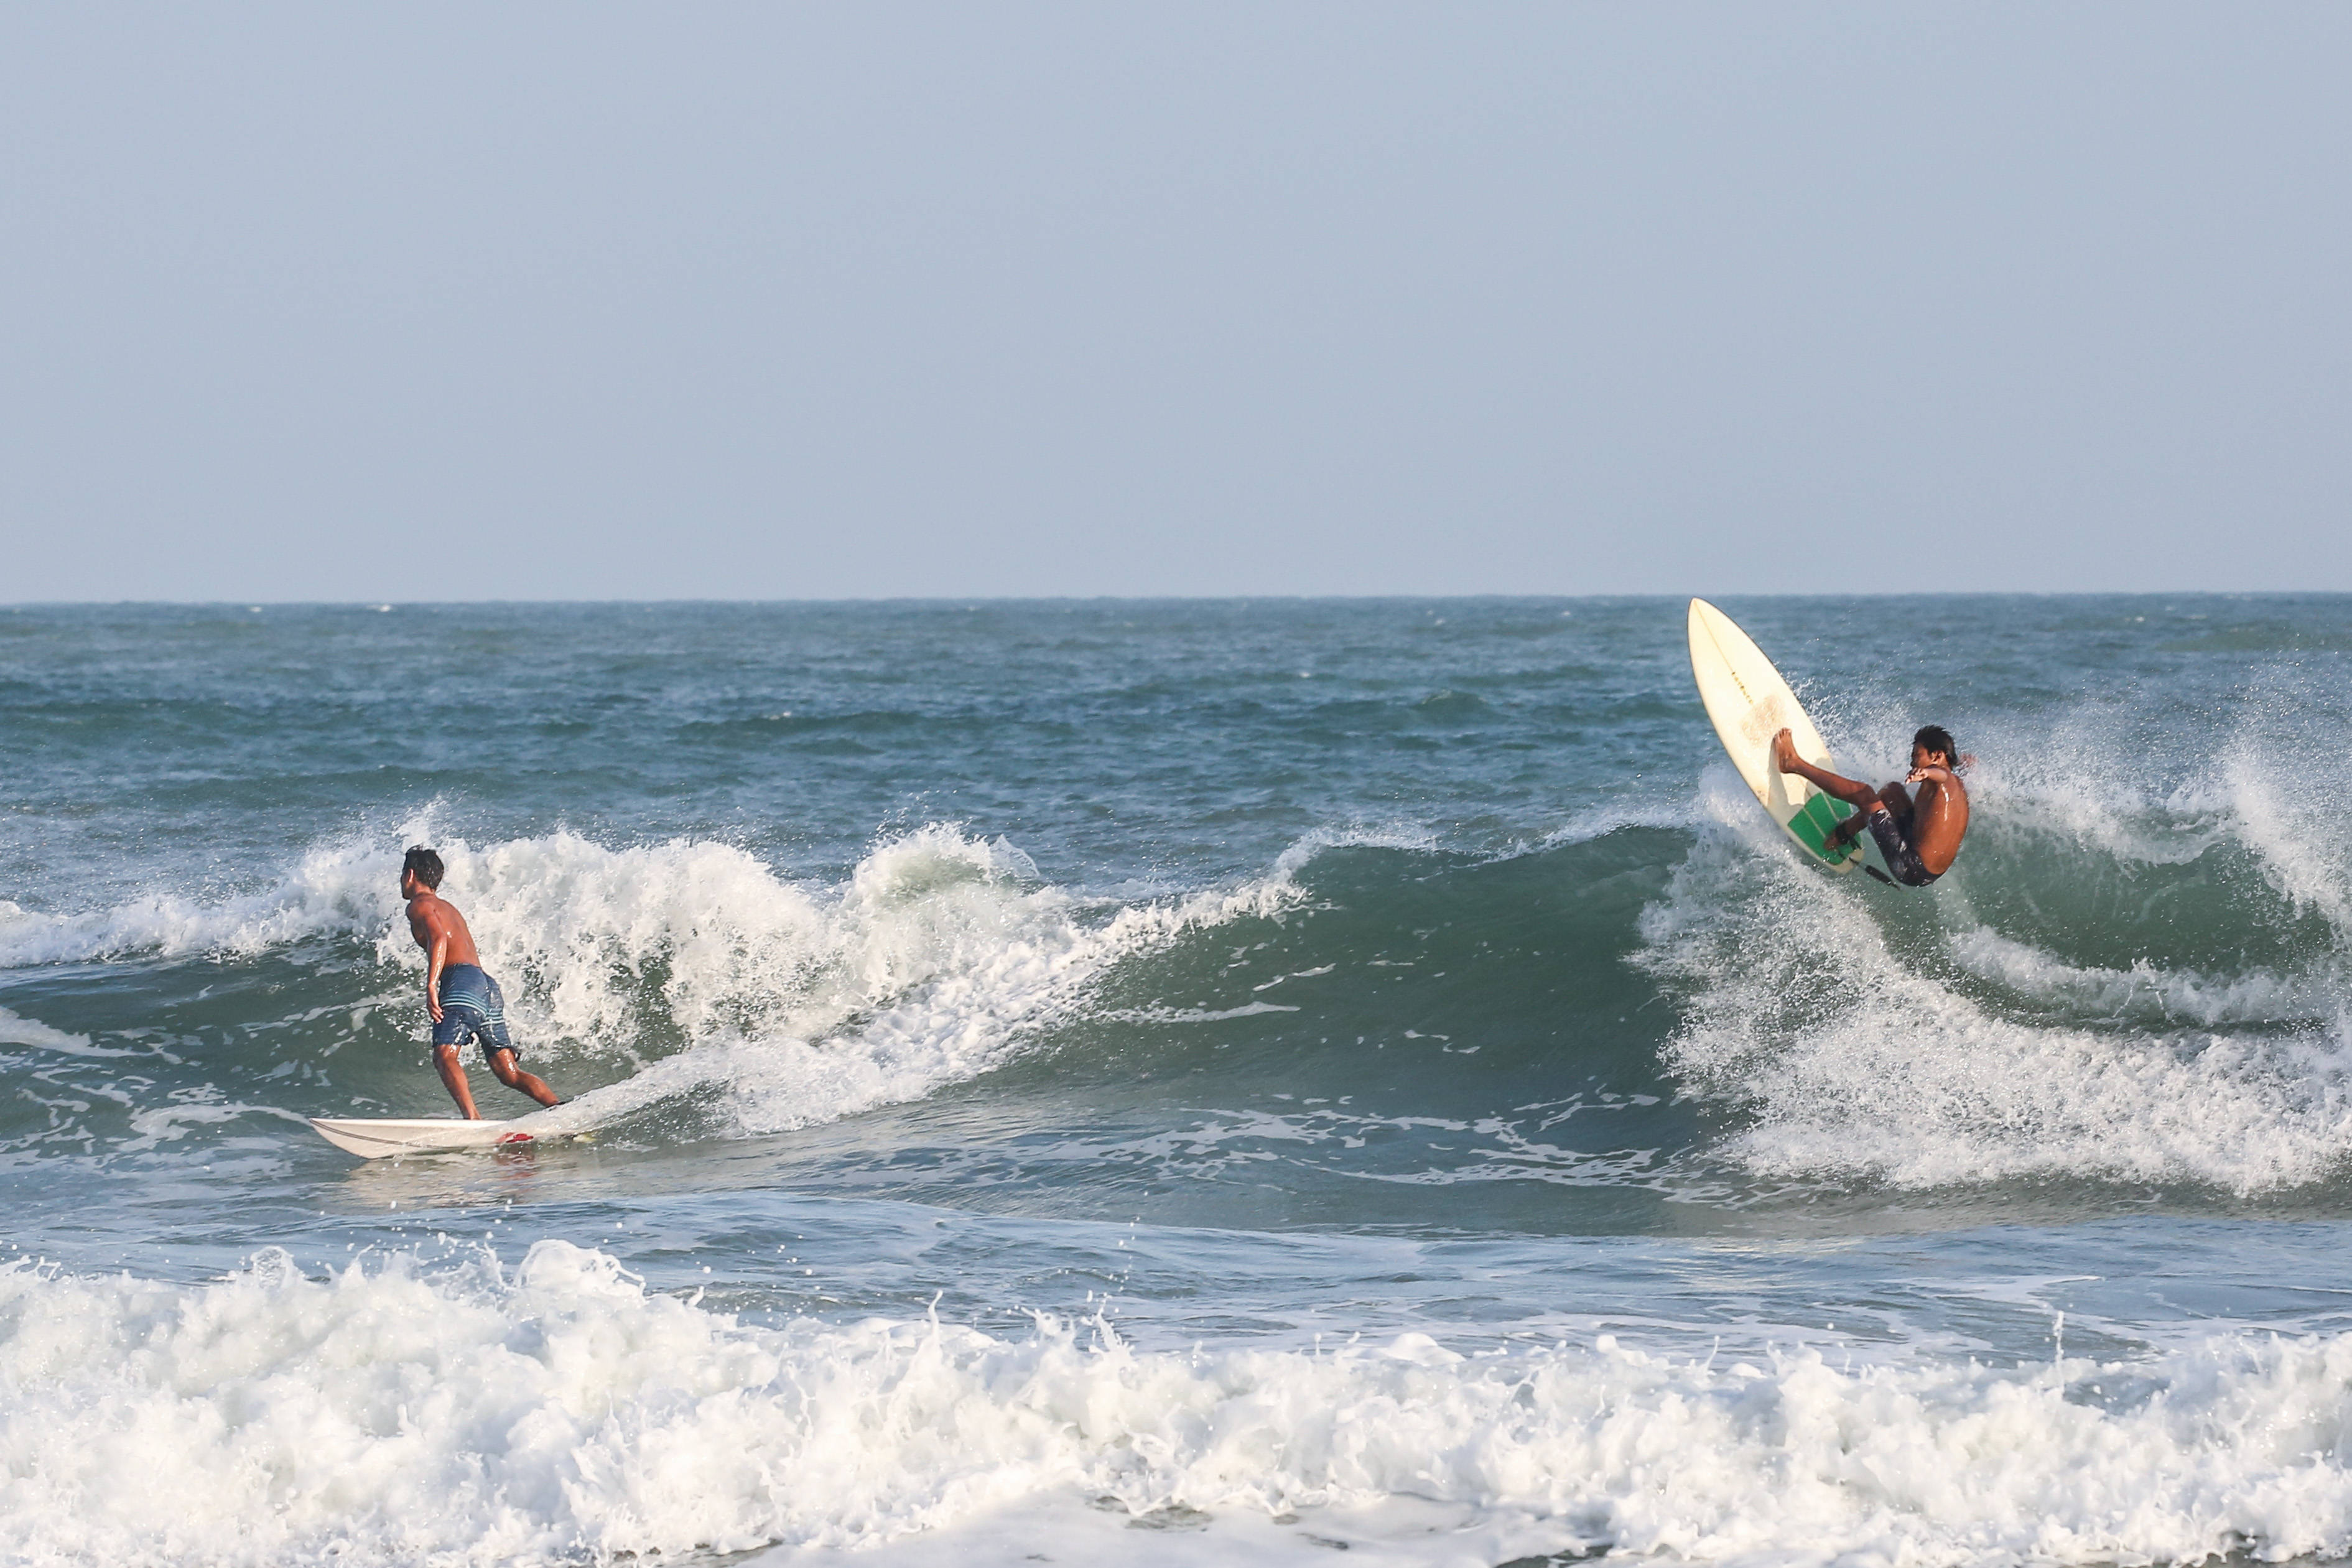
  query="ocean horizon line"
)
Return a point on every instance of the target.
[{"x": 384, "y": 605}]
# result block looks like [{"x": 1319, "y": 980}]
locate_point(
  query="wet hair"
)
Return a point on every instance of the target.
[
  {"x": 1936, "y": 738},
  {"x": 425, "y": 863}
]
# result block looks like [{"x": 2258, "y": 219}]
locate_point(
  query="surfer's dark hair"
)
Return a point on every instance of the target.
[
  {"x": 1936, "y": 738},
  {"x": 425, "y": 863}
]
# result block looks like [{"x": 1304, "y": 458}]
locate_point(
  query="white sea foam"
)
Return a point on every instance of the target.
[
  {"x": 584, "y": 937},
  {"x": 2145, "y": 991},
  {"x": 14, "y": 1031},
  {"x": 932, "y": 965},
  {"x": 1853, "y": 1058},
  {"x": 1390, "y": 835},
  {"x": 2300, "y": 835},
  {"x": 341, "y": 887},
  {"x": 559, "y": 1412}
]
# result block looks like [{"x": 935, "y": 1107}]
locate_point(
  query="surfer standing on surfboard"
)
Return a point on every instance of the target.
[
  {"x": 1919, "y": 838},
  {"x": 466, "y": 1003}
]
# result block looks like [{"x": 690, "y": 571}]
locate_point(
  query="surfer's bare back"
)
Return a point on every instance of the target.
[
  {"x": 1920, "y": 837},
  {"x": 465, "y": 1003}
]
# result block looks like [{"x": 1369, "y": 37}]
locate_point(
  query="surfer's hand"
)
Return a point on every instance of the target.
[
  {"x": 433, "y": 1005},
  {"x": 1784, "y": 749}
]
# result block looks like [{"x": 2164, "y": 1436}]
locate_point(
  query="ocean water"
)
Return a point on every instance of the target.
[{"x": 1188, "y": 1083}]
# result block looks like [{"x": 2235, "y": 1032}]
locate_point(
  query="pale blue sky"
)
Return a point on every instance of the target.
[{"x": 579, "y": 301}]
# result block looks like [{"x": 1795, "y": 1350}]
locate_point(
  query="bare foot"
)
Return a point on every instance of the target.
[{"x": 1784, "y": 752}]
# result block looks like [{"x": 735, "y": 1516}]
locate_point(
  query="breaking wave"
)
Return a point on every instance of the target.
[
  {"x": 2153, "y": 992},
  {"x": 557, "y": 1411}
]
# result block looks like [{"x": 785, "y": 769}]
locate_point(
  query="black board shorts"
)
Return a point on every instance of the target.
[{"x": 1901, "y": 858}]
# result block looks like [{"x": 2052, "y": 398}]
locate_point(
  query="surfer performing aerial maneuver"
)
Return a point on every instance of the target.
[
  {"x": 1780, "y": 757},
  {"x": 1919, "y": 838},
  {"x": 465, "y": 1003}
]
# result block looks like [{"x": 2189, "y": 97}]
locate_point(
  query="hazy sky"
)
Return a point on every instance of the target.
[{"x": 579, "y": 301}]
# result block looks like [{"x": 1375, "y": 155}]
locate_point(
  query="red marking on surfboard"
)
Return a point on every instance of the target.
[{"x": 514, "y": 1138}]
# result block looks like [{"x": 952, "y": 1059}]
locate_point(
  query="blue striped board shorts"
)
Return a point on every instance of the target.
[{"x": 473, "y": 1010}]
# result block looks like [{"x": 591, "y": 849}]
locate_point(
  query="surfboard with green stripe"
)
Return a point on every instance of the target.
[{"x": 1749, "y": 703}]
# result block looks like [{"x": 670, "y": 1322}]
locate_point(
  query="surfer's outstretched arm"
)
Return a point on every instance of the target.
[{"x": 1853, "y": 791}]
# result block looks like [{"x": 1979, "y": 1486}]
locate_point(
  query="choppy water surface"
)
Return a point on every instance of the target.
[{"x": 1180, "y": 1082}]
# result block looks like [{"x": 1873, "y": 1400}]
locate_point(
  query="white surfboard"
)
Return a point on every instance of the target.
[
  {"x": 372, "y": 1139},
  {"x": 1750, "y": 704}
]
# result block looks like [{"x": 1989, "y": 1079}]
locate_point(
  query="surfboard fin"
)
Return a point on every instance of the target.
[{"x": 1878, "y": 873}]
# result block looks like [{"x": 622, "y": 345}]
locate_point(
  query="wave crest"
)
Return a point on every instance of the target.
[{"x": 774, "y": 1002}]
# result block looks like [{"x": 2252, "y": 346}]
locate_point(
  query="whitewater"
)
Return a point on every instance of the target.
[{"x": 1188, "y": 1083}]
